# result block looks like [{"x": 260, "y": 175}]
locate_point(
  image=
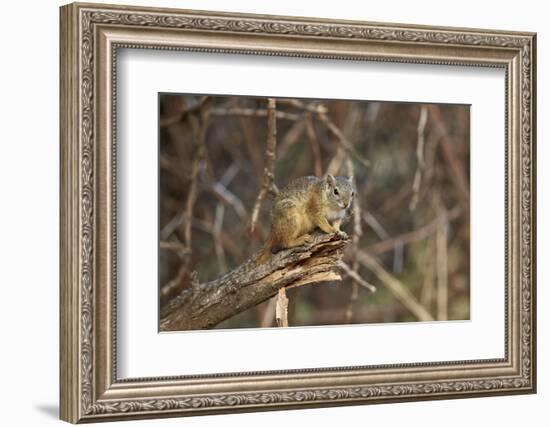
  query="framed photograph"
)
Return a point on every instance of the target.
[{"x": 266, "y": 212}]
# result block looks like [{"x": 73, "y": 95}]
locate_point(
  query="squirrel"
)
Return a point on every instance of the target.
[{"x": 305, "y": 204}]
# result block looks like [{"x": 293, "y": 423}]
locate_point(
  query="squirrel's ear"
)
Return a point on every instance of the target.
[
  {"x": 330, "y": 180},
  {"x": 350, "y": 179}
]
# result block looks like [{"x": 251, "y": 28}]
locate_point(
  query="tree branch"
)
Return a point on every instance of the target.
[
  {"x": 448, "y": 152},
  {"x": 396, "y": 287},
  {"x": 269, "y": 164},
  {"x": 205, "y": 305}
]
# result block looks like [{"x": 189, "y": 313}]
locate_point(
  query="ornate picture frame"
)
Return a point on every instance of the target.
[{"x": 90, "y": 37}]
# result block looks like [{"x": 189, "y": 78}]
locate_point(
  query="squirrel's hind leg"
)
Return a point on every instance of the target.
[
  {"x": 292, "y": 243},
  {"x": 301, "y": 240},
  {"x": 288, "y": 230}
]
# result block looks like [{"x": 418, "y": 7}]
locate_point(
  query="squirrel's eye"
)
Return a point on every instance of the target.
[
  {"x": 352, "y": 193},
  {"x": 336, "y": 192}
]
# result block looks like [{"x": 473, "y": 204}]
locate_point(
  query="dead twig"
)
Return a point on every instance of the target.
[
  {"x": 352, "y": 274},
  {"x": 346, "y": 145},
  {"x": 191, "y": 197},
  {"x": 336, "y": 162},
  {"x": 419, "y": 156},
  {"x": 393, "y": 203},
  {"x": 320, "y": 112},
  {"x": 179, "y": 117},
  {"x": 199, "y": 127},
  {"x": 349, "y": 122},
  {"x": 356, "y": 236},
  {"x": 291, "y": 137},
  {"x": 228, "y": 243},
  {"x": 252, "y": 112},
  {"x": 269, "y": 164},
  {"x": 229, "y": 198},
  {"x": 428, "y": 283},
  {"x": 395, "y": 287},
  {"x": 217, "y": 232},
  {"x": 174, "y": 246},
  {"x": 457, "y": 171},
  {"x": 269, "y": 313},
  {"x": 412, "y": 236},
  {"x": 314, "y": 146},
  {"x": 168, "y": 166},
  {"x": 250, "y": 140},
  {"x": 373, "y": 223},
  {"x": 281, "y": 308},
  {"x": 173, "y": 286},
  {"x": 442, "y": 262},
  {"x": 311, "y": 107}
]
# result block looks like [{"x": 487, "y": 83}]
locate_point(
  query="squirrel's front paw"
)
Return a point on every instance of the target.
[{"x": 341, "y": 234}]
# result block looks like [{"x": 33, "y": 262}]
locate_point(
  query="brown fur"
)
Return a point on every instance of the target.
[{"x": 302, "y": 206}]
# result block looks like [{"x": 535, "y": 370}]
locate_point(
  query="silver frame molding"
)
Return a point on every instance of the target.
[{"x": 90, "y": 37}]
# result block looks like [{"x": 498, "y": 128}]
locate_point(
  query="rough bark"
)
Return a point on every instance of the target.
[{"x": 205, "y": 305}]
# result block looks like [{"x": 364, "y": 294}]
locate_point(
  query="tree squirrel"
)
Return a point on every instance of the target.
[{"x": 305, "y": 204}]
